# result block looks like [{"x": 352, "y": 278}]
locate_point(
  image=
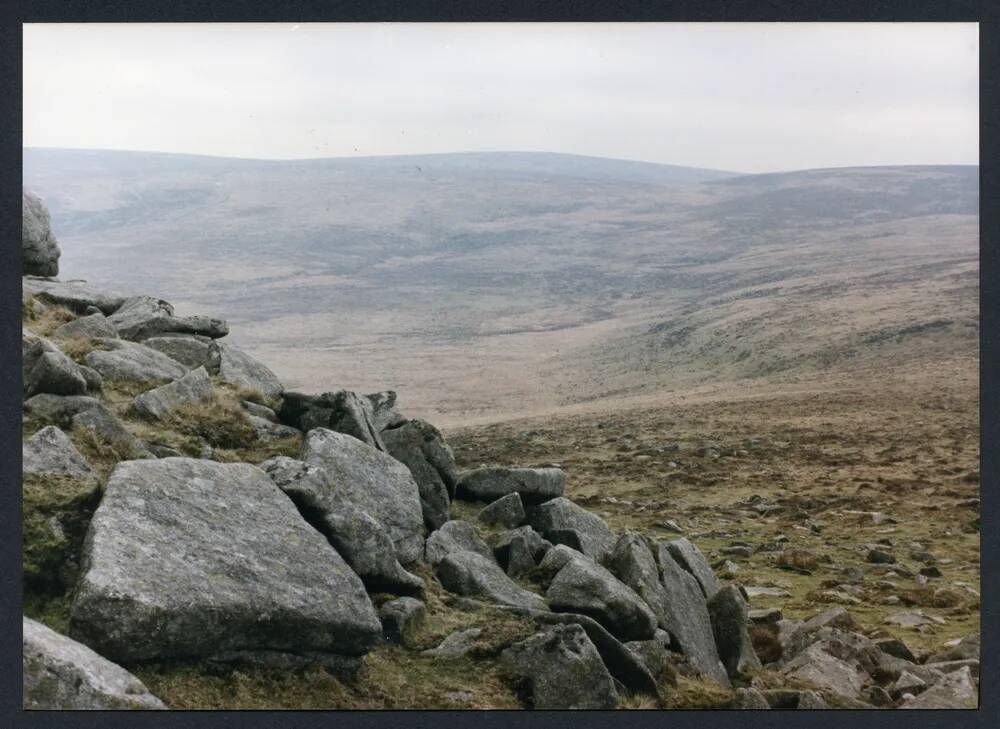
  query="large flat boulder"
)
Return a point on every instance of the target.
[
  {"x": 373, "y": 481},
  {"x": 473, "y": 575},
  {"x": 51, "y": 452},
  {"x": 561, "y": 669},
  {"x": 160, "y": 402},
  {"x": 583, "y": 586},
  {"x": 192, "y": 558},
  {"x": 238, "y": 368},
  {"x": 563, "y": 522},
  {"x": 39, "y": 247},
  {"x": 59, "y": 673},
  {"x": 356, "y": 535},
  {"x": 817, "y": 667},
  {"x": 534, "y": 485},
  {"x": 92, "y": 326},
  {"x": 59, "y": 409},
  {"x": 190, "y": 350},
  {"x": 76, "y": 295},
  {"x": 141, "y": 317},
  {"x": 421, "y": 448},
  {"x": 123, "y": 361}
]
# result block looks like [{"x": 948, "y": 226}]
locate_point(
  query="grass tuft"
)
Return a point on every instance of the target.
[{"x": 221, "y": 421}]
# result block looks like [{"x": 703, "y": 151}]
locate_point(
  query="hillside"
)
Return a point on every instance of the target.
[{"x": 555, "y": 279}]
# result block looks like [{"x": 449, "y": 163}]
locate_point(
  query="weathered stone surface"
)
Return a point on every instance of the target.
[
  {"x": 559, "y": 519},
  {"x": 967, "y": 647},
  {"x": 384, "y": 411},
  {"x": 76, "y": 295},
  {"x": 583, "y": 586},
  {"x": 268, "y": 432},
  {"x": 728, "y": 612},
  {"x": 685, "y": 615},
  {"x": 814, "y": 665},
  {"x": 562, "y": 670},
  {"x": 688, "y": 556},
  {"x": 94, "y": 326},
  {"x": 103, "y": 424},
  {"x": 454, "y": 536},
  {"x": 507, "y": 511},
  {"x": 555, "y": 559},
  {"x": 537, "y": 546},
  {"x": 50, "y": 371},
  {"x": 39, "y": 247},
  {"x": 190, "y": 351},
  {"x": 196, "y": 559},
  {"x": 520, "y": 560},
  {"x": 455, "y": 645},
  {"x": 956, "y": 690},
  {"x": 59, "y": 409},
  {"x": 535, "y": 485},
  {"x": 261, "y": 411},
  {"x": 750, "y": 698},
  {"x": 141, "y": 317},
  {"x": 240, "y": 369},
  {"x": 50, "y": 451},
  {"x": 421, "y": 448},
  {"x": 400, "y": 617},
  {"x": 59, "y": 673},
  {"x": 160, "y": 402},
  {"x": 474, "y": 575},
  {"x": 374, "y": 482},
  {"x": 123, "y": 361},
  {"x": 652, "y": 653},
  {"x": 357, "y": 536}
]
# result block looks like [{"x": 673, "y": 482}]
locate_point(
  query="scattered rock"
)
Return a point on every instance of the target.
[
  {"x": 474, "y": 575},
  {"x": 190, "y": 558},
  {"x": 456, "y": 645},
  {"x": 754, "y": 591},
  {"x": 561, "y": 669},
  {"x": 122, "y": 361},
  {"x": 896, "y": 647},
  {"x": 956, "y": 690},
  {"x": 59, "y": 673},
  {"x": 527, "y": 538},
  {"x": 563, "y": 522},
  {"x": 880, "y": 556},
  {"x": 374, "y": 482},
  {"x": 765, "y": 616},
  {"x": 160, "y": 402},
  {"x": 507, "y": 511},
  {"x": 535, "y": 485},
  {"x": 356, "y": 535},
  {"x": 51, "y": 452},
  {"x": 454, "y": 536},
  {"x": 816, "y": 666},
  {"x": 400, "y": 617}
]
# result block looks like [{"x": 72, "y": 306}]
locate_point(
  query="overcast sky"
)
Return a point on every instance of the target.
[{"x": 745, "y": 97}]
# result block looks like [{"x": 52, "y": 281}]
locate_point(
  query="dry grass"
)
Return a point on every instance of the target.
[
  {"x": 765, "y": 643},
  {"x": 221, "y": 421},
  {"x": 697, "y": 693},
  {"x": 77, "y": 348},
  {"x": 44, "y": 322},
  {"x": 798, "y": 559},
  {"x": 101, "y": 454}
]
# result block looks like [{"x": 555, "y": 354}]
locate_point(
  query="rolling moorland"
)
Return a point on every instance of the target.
[{"x": 782, "y": 368}]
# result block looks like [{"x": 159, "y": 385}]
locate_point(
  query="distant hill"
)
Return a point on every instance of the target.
[{"x": 482, "y": 282}]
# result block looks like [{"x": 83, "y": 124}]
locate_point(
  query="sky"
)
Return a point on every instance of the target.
[{"x": 744, "y": 96}]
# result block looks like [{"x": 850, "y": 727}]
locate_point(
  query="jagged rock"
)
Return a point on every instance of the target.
[
  {"x": 896, "y": 647},
  {"x": 583, "y": 586},
  {"x": 190, "y": 351},
  {"x": 948, "y": 666},
  {"x": 878, "y": 696},
  {"x": 688, "y": 556},
  {"x": 765, "y": 616},
  {"x": 563, "y": 522},
  {"x": 52, "y": 372},
  {"x": 535, "y": 485},
  {"x": 76, "y": 295},
  {"x": 384, "y": 412},
  {"x": 653, "y": 655},
  {"x": 956, "y": 690},
  {"x": 454, "y": 536},
  {"x": 160, "y": 402},
  {"x": 967, "y": 647},
  {"x": 421, "y": 448},
  {"x": 59, "y": 673},
  {"x": 357, "y": 536},
  {"x": 94, "y": 326},
  {"x": 400, "y": 617},
  {"x": 526, "y": 536},
  {"x": 50, "y": 451},
  {"x": 123, "y": 361},
  {"x": 262, "y": 411},
  {"x": 907, "y": 683},
  {"x": 59, "y": 409},
  {"x": 728, "y": 612},
  {"x": 103, "y": 424},
  {"x": 814, "y": 665},
  {"x": 562, "y": 670},
  {"x": 374, "y": 482},
  {"x": 474, "y": 575},
  {"x": 240, "y": 369},
  {"x": 555, "y": 559},
  {"x": 95, "y": 383},
  {"x": 810, "y": 700},
  {"x": 684, "y": 614},
  {"x": 750, "y": 698},
  {"x": 141, "y": 317},
  {"x": 455, "y": 645},
  {"x": 190, "y": 558},
  {"x": 269, "y": 432},
  {"x": 520, "y": 560},
  {"x": 507, "y": 511},
  {"x": 39, "y": 248}
]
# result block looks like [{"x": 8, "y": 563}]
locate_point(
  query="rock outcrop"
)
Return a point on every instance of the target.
[
  {"x": 422, "y": 448},
  {"x": 39, "y": 247}
]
